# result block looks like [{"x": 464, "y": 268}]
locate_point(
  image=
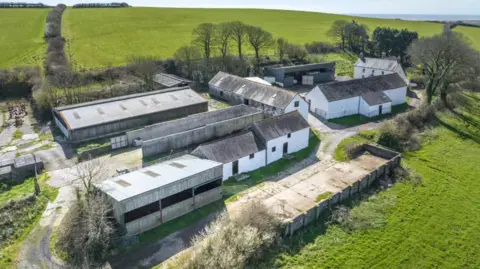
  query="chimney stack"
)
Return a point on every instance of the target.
[{"x": 362, "y": 56}]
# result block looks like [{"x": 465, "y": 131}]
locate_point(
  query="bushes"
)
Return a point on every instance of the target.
[
  {"x": 321, "y": 47},
  {"x": 98, "y": 5},
  {"x": 233, "y": 243},
  {"x": 56, "y": 61},
  {"x": 19, "y": 82}
]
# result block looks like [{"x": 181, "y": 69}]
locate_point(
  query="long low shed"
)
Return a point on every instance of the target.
[
  {"x": 150, "y": 196},
  {"x": 108, "y": 117}
]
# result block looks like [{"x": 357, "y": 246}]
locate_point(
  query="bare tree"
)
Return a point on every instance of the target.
[
  {"x": 145, "y": 68},
  {"x": 239, "y": 33},
  {"x": 187, "y": 57},
  {"x": 446, "y": 60},
  {"x": 259, "y": 39},
  {"x": 338, "y": 32},
  {"x": 282, "y": 45},
  {"x": 204, "y": 36},
  {"x": 222, "y": 38},
  {"x": 90, "y": 172}
]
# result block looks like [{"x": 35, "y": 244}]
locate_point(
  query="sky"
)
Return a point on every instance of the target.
[{"x": 444, "y": 7}]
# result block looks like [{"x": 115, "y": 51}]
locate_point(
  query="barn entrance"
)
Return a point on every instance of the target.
[
  {"x": 285, "y": 148},
  {"x": 380, "y": 108},
  {"x": 235, "y": 168}
]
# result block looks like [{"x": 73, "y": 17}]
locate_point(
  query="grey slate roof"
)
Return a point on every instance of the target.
[
  {"x": 230, "y": 149},
  {"x": 169, "y": 80},
  {"x": 357, "y": 87},
  {"x": 269, "y": 95},
  {"x": 128, "y": 106},
  {"x": 376, "y": 98},
  {"x": 304, "y": 67},
  {"x": 278, "y": 126},
  {"x": 375, "y": 63}
]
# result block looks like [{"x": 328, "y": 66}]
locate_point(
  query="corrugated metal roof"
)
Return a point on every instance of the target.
[
  {"x": 269, "y": 95},
  {"x": 230, "y": 149},
  {"x": 282, "y": 125},
  {"x": 129, "y": 106},
  {"x": 154, "y": 177},
  {"x": 375, "y": 63},
  {"x": 169, "y": 80},
  {"x": 304, "y": 67},
  {"x": 357, "y": 87}
]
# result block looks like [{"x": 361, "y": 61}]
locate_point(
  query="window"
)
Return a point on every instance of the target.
[
  {"x": 289, "y": 135},
  {"x": 363, "y": 76},
  {"x": 297, "y": 104},
  {"x": 383, "y": 72},
  {"x": 373, "y": 71},
  {"x": 221, "y": 93},
  {"x": 209, "y": 186},
  {"x": 176, "y": 198},
  {"x": 363, "y": 70},
  {"x": 141, "y": 212},
  {"x": 252, "y": 156},
  {"x": 274, "y": 149},
  {"x": 246, "y": 102}
]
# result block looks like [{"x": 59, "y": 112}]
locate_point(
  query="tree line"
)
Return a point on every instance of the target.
[
  {"x": 100, "y": 5},
  {"x": 22, "y": 5},
  {"x": 385, "y": 41}
]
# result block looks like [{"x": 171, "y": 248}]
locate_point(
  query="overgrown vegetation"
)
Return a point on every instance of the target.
[
  {"x": 233, "y": 242},
  {"x": 20, "y": 211}
]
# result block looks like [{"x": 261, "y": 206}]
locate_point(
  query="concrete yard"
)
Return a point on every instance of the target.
[{"x": 295, "y": 194}]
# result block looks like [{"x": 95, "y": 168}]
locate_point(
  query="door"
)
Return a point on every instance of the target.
[
  {"x": 380, "y": 110},
  {"x": 235, "y": 168},
  {"x": 285, "y": 148}
]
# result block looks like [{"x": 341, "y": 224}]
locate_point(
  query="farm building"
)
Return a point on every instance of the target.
[
  {"x": 239, "y": 154},
  {"x": 305, "y": 74},
  {"x": 163, "y": 80},
  {"x": 272, "y": 100},
  {"x": 114, "y": 116},
  {"x": 284, "y": 134},
  {"x": 369, "y": 67},
  {"x": 194, "y": 129},
  {"x": 370, "y": 96},
  {"x": 148, "y": 197}
]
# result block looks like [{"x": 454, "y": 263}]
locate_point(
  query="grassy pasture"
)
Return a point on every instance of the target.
[
  {"x": 21, "y": 37},
  {"x": 432, "y": 225},
  {"x": 102, "y": 37}
]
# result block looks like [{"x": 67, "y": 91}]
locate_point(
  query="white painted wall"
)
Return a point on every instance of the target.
[
  {"x": 342, "y": 108},
  {"x": 245, "y": 164},
  {"x": 302, "y": 106},
  {"x": 398, "y": 96},
  {"x": 359, "y": 72},
  {"x": 318, "y": 102},
  {"x": 297, "y": 141},
  {"x": 372, "y": 111}
]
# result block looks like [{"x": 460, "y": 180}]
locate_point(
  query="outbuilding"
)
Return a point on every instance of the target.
[
  {"x": 164, "y": 80},
  {"x": 284, "y": 134},
  {"x": 151, "y": 196},
  {"x": 370, "y": 96},
  {"x": 272, "y": 100},
  {"x": 114, "y": 116},
  {"x": 239, "y": 154},
  {"x": 303, "y": 74}
]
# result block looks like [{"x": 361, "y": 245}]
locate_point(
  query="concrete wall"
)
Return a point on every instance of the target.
[
  {"x": 208, "y": 197},
  {"x": 143, "y": 224},
  {"x": 297, "y": 141},
  {"x": 198, "y": 135},
  {"x": 315, "y": 212},
  {"x": 118, "y": 127},
  {"x": 177, "y": 210},
  {"x": 302, "y": 106},
  {"x": 342, "y": 108},
  {"x": 173, "y": 188}
]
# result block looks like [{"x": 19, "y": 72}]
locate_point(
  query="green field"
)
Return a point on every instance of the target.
[
  {"x": 21, "y": 37},
  {"x": 432, "y": 225},
  {"x": 102, "y": 37}
]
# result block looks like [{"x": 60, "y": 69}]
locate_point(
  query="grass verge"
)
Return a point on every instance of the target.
[
  {"x": 17, "y": 134},
  {"x": 363, "y": 137},
  {"x": 358, "y": 119}
]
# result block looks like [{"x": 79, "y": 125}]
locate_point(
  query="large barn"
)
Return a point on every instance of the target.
[
  {"x": 114, "y": 116},
  {"x": 304, "y": 74},
  {"x": 370, "y": 96},
  {"x": 272, "y": 100},
  {"x": 148, "y": 197}
]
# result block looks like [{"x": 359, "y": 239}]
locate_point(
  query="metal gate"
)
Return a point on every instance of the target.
[{"x": 119, "y": 142}]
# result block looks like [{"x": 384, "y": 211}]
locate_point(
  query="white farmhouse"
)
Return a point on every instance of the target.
[
  {"x": 239, "y": 154},
  {"x": 273, "y": 101},
  {"x": 370, "y": 96},
  {"x": 369, "y": 67},
  {"x": 282, "y": 135}
]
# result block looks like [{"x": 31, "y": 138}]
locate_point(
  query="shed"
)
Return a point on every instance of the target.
[
  {"x": 150, "y": 196},
  {"x": 168, "y": 81},
  {"x": 114, "y": 116},
  {"x": 239, "y": 154},
  {"x": 304, "y": 74}
]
